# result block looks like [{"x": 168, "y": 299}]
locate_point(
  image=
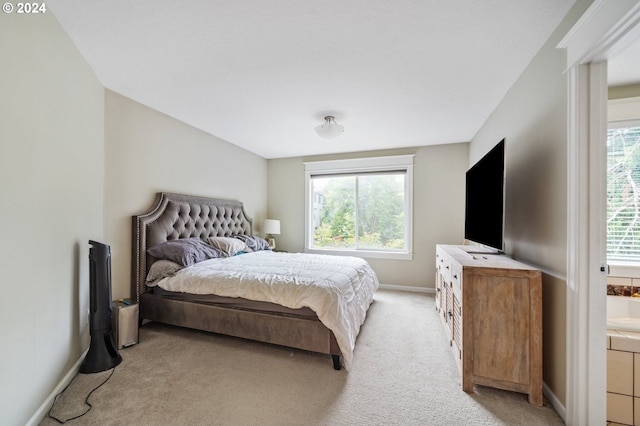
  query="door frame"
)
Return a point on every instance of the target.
[{"x": 606, "y": 28}]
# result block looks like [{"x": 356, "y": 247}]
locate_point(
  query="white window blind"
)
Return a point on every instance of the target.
[{"x": 623, "y": 193}]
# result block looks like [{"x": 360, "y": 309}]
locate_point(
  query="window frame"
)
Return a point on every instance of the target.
[{"x": 359, "y": 166}]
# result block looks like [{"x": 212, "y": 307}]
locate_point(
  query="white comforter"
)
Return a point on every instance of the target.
[{"x": 338, "y": 289}]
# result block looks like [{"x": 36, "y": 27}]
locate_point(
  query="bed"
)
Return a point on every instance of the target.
[{"x": 211, "y": 295}]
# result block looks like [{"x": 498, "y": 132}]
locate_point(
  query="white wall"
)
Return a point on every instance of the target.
[
  {"x": 51, "y": 186},
  {"x": 533, "y": 119},
  {"x": 438, "y": 212},
  {"x": 148, "y": 152}
]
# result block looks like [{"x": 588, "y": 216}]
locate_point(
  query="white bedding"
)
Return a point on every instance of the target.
[{"x": 338, "y": 289}]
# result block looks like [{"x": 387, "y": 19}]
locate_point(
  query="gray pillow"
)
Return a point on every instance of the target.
[
  {"x": 253, "y": 242},
  {"x": 185, "y": 251},
  {"x": 160, "y": 269},
  {"x": 229, "y": 246}
]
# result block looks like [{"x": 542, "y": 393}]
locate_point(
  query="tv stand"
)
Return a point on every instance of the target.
[{"x": 491, "y": 308}]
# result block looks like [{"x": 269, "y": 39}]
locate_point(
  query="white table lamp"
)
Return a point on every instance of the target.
[{"x": 271, "y": 227}]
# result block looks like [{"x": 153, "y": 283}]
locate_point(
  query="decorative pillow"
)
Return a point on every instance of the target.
[
  {"x": 253, "y": 242},
  {"x": 160, "y": 269},
  {"x": 229, "y": 246},
  {"x": 185, "y": 252}
]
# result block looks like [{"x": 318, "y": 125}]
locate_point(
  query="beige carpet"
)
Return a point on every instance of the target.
[{"x": 403, "y": 374}]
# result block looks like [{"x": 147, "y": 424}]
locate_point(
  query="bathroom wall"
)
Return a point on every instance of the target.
[{"x": 623, "y": 377}]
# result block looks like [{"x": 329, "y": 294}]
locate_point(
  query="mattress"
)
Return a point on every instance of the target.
[
  {"x": 339, "y": 289},
  {"x": 235, "y": 303}
]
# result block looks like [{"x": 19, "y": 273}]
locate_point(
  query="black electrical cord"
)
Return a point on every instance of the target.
[{"x": 86, "y": 400}]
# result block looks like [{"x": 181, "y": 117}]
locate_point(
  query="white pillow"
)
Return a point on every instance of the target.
[{"x": 229, "y": 246}]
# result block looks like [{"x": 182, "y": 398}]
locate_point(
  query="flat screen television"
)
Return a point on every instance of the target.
[{"x": 484, "y": 201}]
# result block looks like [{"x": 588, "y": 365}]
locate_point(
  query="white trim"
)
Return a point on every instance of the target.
[
  {"x": 597, "y": 278},
  {"x": 367, "y": 254},
  {"x": 586, "y": 252},
  {"x": 42, "y": 411},
  {"x": 607, "y": 27},
  {"x": 555, "y": 402},
  {"x": 620, "y": 268},
  {"x": 624, "y": 123},
  {"x": 358, "y": 164},
  {"x": 410, "y": 289},
  {"x": 361, "y": 165},
  {"x": 576, "y": 211},
  {"x": 308, "y": 207}
]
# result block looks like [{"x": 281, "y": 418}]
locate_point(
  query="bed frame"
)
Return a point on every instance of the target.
[{"x": 175, "y": 216}]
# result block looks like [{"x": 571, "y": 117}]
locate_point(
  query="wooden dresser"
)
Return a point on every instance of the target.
[{"x": 491, "y": 309}]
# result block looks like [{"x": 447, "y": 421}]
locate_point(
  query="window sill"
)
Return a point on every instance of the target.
[
  {"x": 364, "y": 253},
  {"x": 628, "y": 269}
]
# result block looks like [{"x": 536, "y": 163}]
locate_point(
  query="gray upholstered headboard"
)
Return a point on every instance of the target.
[{"x": 174, "y": 216}]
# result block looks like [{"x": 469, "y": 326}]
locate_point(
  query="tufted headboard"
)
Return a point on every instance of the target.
[{"x": 175, "y": 216}]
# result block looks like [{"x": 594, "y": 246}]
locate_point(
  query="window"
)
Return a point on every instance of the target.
[
  {"x": 360, "y": 206},
  {"x": 623, "y": 193}
]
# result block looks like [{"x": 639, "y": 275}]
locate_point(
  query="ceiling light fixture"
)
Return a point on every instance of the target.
[{"x": 330, "y": 129}]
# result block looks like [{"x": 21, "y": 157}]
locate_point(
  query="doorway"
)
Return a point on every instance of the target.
[{"x": 605, "y": 29}]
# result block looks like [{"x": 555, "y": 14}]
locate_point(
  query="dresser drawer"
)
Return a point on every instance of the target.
[
  {"x": 443, "y": 261},
  {"x": 456, "y": 280}
]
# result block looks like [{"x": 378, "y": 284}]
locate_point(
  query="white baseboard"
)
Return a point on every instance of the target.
[
  {"x": 40, "y": 414},
  {"x": 407, "y": 288},
  {"x": 555, "y": 402}
]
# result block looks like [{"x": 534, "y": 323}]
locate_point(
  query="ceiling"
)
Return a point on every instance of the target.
[{"x": 262, "y": 74}]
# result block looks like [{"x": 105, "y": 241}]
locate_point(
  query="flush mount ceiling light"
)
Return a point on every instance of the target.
[{"x": 330, "y": 129}]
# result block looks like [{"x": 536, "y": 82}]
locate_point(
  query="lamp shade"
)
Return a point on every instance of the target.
[
  {"x": 271, "y": 226},
  {"x": 330, "y": 129}
]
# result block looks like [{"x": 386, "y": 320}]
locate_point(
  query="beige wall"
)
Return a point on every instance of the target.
[
  {"x": 532, "y": 117},
  {"x": 75, "y": 164},
  {"x": 628, "y": 91},
  {"x": 51, "y": 182},
  {"x": 148, "y": 152},
  {"x": 438, "y": 212}
]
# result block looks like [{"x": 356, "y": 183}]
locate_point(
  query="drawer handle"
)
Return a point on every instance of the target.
[
  {"x": 450, "y": 314},
  {"x": 447, "y": 266},
  {"x": 455, "y": 276}
]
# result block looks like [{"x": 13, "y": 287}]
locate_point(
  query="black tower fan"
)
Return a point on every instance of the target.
[{"x": 102, "y": 354}]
